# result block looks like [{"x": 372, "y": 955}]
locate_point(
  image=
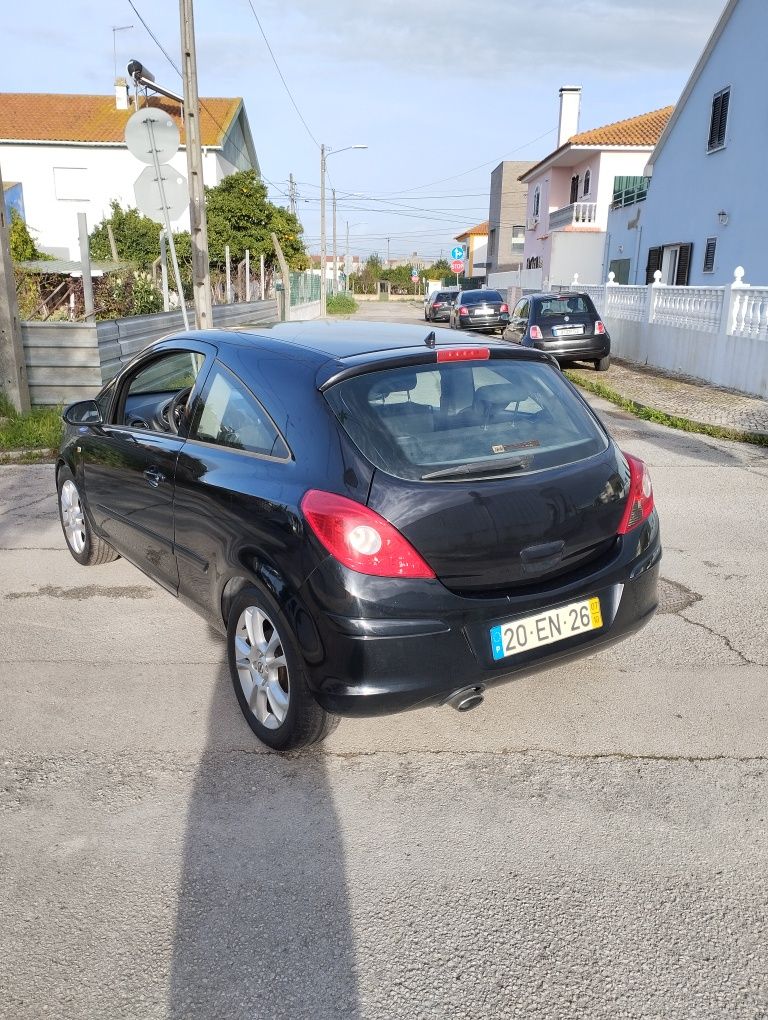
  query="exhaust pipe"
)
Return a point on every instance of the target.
[{"x": 466, "y": 698}]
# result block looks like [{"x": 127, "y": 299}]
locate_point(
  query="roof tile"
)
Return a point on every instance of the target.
[
  {"x": 43, "y": 117},
  {"x": 644, "y": 130}
]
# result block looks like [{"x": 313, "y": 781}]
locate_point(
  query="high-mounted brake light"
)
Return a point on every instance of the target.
[
  {"x": 599, "y": 327},
  {"x": 536, "y": 333},
  {"x": 640, "y": 500},
  {"x": 360, "y": 538},
  {"x": 463, "y": 354}
]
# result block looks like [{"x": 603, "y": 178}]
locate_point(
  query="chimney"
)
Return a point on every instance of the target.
[
  {"x": 121, "y": 94},
  {"x": 570, "y": 105}
]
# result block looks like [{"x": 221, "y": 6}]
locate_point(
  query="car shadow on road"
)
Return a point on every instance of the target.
[{"x": 263, "y": 927}]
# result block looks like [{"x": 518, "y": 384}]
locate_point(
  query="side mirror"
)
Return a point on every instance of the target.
[{"x": 84, "y": 412}]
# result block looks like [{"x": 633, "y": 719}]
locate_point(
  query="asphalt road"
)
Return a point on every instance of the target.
[{"x": 591, "y": 843}]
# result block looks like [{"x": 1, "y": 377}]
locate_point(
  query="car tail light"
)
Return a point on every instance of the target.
[
  {"x": 504, "y": 308},
  {"x": 463, "y": 310},
  {"x": 599, "y": 327},
  {"x": 360, "y": 538},
  {"x": 640, "y": 500},
  {"x": 536, "y": 333},
  {"x": 438, "y": 304},
  {"x": 463, "y": 354}
]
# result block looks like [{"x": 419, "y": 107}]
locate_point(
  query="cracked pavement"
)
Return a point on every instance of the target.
[{"x": 591, "y": 843}]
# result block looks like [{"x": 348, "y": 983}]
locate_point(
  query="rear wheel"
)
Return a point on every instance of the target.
[
  {"x": 86, "y": 547},
  {"x": 269, "y": 677},
  {"x": 603, "y": 364}
]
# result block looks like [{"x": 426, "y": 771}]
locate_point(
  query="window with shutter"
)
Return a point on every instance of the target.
[
  {"x": 655, "y": 256},
  {"x": 719, "y": 120},
  {"x": 575, "y": 188},
  {"x": 683, "y": 265},
  {"x": 709, "y": 255}
]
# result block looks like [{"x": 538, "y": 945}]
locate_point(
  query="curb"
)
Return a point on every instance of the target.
[
  {"x": 33, "y": 455},
  {"x": 673, "y": 421}
]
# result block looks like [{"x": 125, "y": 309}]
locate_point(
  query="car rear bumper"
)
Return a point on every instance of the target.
[
  {"x": 579, "y": 348},
  {"x": 389, "y": 645},
  {"x": 484, "y": 322}
]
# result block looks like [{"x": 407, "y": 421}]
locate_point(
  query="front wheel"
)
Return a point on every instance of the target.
[
  {"x": 86, "y": 547},
  {"x": 603, "y": 364},
  {"x": 269, "y": 677}
]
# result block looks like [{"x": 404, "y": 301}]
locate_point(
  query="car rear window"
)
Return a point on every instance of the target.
[
  {"x": 559, "y": 307},
  {"x": 444, "y": 295},
  {"x": 474, "y": 297},
  {"x": 454, "y": 421}
]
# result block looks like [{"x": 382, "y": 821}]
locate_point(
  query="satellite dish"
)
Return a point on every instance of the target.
[{"x": 152, "y": 127}]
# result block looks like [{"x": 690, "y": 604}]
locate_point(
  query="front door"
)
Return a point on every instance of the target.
[{"x": 129, "y": 464}]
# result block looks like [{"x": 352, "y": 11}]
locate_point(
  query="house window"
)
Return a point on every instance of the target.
[
  {"x": 517, "y": 243},
  {"x": 719, "y": 120},
  {"x": 709, "y": 255},
  {"x": 574, "y": 189},
  {"x": 674, "y": 262},
  {"x": 536, "y": 201},
  {"x": 587, "y": 182},
  {"x": 70, "y": 183}
]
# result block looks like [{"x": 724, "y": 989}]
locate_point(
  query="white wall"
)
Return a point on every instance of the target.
[
  {"x": 576, "y": 252},
  {"x": 690, "y": 186},
  {"x": 110, "y": 172},
  {"x": 479, "y": 253}
]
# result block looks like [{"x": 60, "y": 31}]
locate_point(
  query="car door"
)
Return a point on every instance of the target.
[
  {"x": 129, "y": 463},
  {"x": 230, "y": 480},
  {"x": 514, "y": 331}
]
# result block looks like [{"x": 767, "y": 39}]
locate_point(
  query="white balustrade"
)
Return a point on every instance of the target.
[
  {"x": 577, "y": 214},
  {"x": 624, "y": 302},
  {"x": 688, "y": 307},
  {"x": 749, "y": 312}
]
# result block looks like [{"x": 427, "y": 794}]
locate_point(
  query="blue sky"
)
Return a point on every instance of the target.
[{"x": 433, "y": 93}]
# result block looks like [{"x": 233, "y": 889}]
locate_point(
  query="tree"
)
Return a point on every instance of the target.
[
  {"x": 137, "y": 238},
  {"x": 441, "y": 270},
  {"x": 23, "y": 247},
  {"x": 241, "y": 216}
]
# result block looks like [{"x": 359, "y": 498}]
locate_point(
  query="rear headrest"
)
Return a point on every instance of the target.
[
  {"x": 500, "y": 395},
  {"x": 403, "y": 382}
]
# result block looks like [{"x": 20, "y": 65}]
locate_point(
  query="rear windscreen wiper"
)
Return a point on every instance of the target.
[{"x": 479, "y": 467}]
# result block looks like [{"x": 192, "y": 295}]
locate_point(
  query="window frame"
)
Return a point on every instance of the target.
[
  {"x": 536, "y": 202},
  {"x": 709, "y": 259},
  {"x": 716, "y": 145},
  {"x": 198, "y": 402},
  {"x": 587, "y": 186}
]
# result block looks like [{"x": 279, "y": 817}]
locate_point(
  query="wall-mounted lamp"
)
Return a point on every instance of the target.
[
  {"x": 621, "y": 249},
  {"x": 722, "y": 217}
]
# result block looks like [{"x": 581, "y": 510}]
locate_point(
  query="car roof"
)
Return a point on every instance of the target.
[{"x": 557, "y": 294}]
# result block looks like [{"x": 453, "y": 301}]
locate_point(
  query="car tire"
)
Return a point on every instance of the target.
[
  {"x": 86, "y": 547},
  {"x": 269, "y": 677},
  {"x": 603, "y": 364}
]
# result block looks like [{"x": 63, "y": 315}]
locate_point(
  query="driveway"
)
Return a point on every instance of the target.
[{"x": 591, "y": 843}]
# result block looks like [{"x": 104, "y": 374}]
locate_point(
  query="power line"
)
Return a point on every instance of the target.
[
  {"x": 282, "y": 78},
  {"x": 154, "y": 39}
]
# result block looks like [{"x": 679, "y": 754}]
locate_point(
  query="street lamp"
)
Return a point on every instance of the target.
[{"x": 325, "y": 152}]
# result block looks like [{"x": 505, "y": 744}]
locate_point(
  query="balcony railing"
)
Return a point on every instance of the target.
[
  {"x": 631, "y": 195},
  {"x": 577, "y": 214}
]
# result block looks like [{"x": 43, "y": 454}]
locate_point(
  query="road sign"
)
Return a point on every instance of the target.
[
  {"x": 414, "y": 277},
  {"x": 147, "y": 192},
  {"x": 457, "y": 266},
  {"x": 457, "y": 253},
  {"x": 152, "y": 125}
]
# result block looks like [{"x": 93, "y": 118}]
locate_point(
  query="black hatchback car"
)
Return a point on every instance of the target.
[
  {"x": 378, "y": 519},
  {"x": 482, "y": 310},
  {"x": 565, "y": 325},
  {"x": 438, "y": 306}
]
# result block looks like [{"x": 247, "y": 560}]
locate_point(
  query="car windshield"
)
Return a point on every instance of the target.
[
  {"x": 453, "y": 421},
  {"x": 561, "y": 306},
  {"x": 474, "y": 297}
]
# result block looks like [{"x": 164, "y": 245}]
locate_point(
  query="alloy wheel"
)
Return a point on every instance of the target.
[
  {"x": 72, "y": 517},
  {"x": 262, "y": 667}
]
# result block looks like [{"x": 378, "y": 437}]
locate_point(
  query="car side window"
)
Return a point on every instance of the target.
[
  {"x": 524, "y": 309},
  {"x": 518, "y": 310},
  {"x": 228, "y": 414},
  {"x": 147, "y": 395}
]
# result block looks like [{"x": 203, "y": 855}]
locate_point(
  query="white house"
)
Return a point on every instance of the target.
[
  {"x": 68, "y": 155},
  {"x": 705, "y": 211},
  {"x": 570, "y": 191},
  {"x": 475, "y": 241}
]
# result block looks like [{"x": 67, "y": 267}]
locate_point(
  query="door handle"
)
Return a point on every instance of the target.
[{"x": 154, "y": 476}]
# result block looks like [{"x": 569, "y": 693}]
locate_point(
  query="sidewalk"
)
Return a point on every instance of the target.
[{"x": 683, "y": 397}]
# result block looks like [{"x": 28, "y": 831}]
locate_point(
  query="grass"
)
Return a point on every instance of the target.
[
  {"x": 672, "y": 421},
  {"x": 341, "y": 304},
  {"x": 39, "y": 429}
]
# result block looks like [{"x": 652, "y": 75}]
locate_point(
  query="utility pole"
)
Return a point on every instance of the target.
[
  {"x": 323, "y": 298},
  {"x": 335, "y": 259},
  {"x": 13, "y": 368},
  {"x": 292, "y": 193},
  {"x": 201, "y": 269},
  {"x": 388, "y": 253},
  {"x": 347, "y": 268}
]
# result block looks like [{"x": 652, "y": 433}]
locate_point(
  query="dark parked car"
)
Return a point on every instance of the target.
[
  {"x": 565, "y": 325},
  {"x": 378, "y": 518},
  {"x": 482, "y": 310},
  {"x": 438, "y": 305}
]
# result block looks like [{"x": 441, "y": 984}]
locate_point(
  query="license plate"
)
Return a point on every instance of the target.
[
  {"x": 545, "y": 628},
  {"x": 568, "y": 330},
  {"x": 483, "y": 311}
]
